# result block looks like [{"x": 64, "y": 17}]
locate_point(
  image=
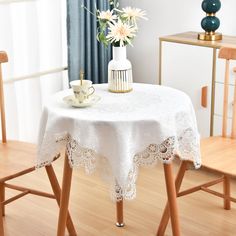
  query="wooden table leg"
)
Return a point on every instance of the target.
[
  {"x": 166, "y": 215},
  {"x": 226, "y": 188},
  {"x": 119, "y": 214},
  {"x": 57, "y": 192},
  {"x": 65, "y": 194},
  {"x": 172, "y": 199}
]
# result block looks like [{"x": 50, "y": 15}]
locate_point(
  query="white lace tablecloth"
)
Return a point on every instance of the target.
[{"x": 120, "y": 133}]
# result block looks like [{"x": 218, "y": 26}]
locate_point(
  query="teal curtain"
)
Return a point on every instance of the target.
[{"x": 84, "y": 51}]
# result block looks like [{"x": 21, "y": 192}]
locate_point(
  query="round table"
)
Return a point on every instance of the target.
[{"x": 117, "y": 135}]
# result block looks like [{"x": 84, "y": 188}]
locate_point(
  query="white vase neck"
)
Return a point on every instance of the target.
[{"x": 119, "y": 53}]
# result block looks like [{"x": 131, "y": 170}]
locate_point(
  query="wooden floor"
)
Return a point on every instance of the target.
[{"x": 94, "y": 214}]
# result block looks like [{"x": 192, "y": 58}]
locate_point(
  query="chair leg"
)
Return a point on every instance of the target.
[
  {"x": 57, "y": 192},
  {"x": 226, "y": 188},
  {"x": 2, "y": 197},
  {"x": 172, "y": 199},
  {"x": 119, "y": 214},
  {"x": 166, "y": 215},
  {"x": 2, "y": 207},
  {"x": 1, "y": 221},
  {"x": 65, "y": 194}
]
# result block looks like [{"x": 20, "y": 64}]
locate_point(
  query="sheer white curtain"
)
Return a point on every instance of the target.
[{"x": 33, "y": 33}]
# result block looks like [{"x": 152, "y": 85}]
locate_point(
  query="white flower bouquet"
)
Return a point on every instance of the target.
[{"x": 117, "y": 26}]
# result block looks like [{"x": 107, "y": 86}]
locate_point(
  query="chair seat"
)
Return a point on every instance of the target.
[
  {"x": 219, "y": 154},
  {"x": 15, "y": 157}
]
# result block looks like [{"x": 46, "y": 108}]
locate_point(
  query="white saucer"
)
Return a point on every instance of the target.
[{"x": 70, "y": 100}]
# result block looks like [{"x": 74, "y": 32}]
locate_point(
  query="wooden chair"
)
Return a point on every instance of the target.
[
  {"x": 218, "y": 153},
  {"x": 17, "y": 159}
]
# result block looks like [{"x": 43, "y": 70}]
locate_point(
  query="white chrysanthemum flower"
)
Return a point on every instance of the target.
[
  {"x": 121, "y": 32},
  {"x": 133, "y": 13},
  {"x": 107, "y": 15}
]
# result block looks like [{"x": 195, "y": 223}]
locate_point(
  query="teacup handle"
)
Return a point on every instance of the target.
[{"x": 93, "y": 90}]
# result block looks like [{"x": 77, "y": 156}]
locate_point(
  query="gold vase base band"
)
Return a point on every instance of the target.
[
  {"x": 120, "y": 91},
  {"x": 209, "y": 36}
]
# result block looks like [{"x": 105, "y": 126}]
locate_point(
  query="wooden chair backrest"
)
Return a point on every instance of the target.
[
  {"x": 3, "y": 59},
  {"x": 228, "y": 54}
]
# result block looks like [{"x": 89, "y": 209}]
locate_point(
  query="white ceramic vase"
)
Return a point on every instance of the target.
[{"x": 120, "y": 77}]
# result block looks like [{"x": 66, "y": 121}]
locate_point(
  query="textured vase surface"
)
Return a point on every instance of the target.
[
  {"x": 210, "y": 23},
  {"x": 211, "y": 6},
  {"x": 120, "y": 77}
]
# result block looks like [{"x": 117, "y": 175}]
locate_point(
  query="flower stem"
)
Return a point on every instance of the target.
[{"x": 83, "y": 6}]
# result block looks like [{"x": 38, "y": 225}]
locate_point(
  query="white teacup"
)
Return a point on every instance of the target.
[{"x": 84, "y": 91}]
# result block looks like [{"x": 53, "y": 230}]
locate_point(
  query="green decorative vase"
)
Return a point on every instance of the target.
[{"x": 210, "y": 23}]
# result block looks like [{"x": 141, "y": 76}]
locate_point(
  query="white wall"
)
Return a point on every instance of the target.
[{"x": 165, "y": 18}]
